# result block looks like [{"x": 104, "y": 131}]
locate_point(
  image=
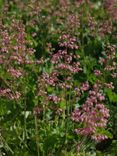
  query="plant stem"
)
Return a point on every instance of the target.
[{"x": 37, "y": 137}]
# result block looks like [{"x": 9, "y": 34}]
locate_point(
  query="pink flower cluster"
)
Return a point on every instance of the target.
[
  {"x": 84, "y": 86},
  {"x": 51, "y": 78},
  {"x": 73, "y": 69},
  {"x": 14, "y": 49},
  {"x": 17, "y": 58},
  {"x": 109, "y": 59},
  {"x": 16, "y": 54},
  {"x": 64, "y": 64},
  {"x": 105, "y": 28},
  {"x": 73, "y": 22},
  {"x": 15, "y": 73},
  {"x": 93, "y": 115},
  {"x": 63, "y": 58},
  {"x": 109, "y": 85},
  {"x": 97, "y": 72},
  {"x": 37, "y": 110},
  {"x": 9, "y": 94},
  {"x": 68, "y": 42},
  {"x": 54, "y": 98},
  {"x": 111, "y": 7}
]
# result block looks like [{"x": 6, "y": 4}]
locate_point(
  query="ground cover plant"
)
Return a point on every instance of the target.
[{"x": 58, "y": 78}]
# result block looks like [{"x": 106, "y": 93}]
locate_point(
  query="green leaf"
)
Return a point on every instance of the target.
[
  {"x": 112, "y": 96},
  {"x": 105, "y": 132},
  {"x": 62, "y": 105}
]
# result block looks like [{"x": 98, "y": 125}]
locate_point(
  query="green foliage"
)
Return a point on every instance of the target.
[
  {"x": 31, "y": 122},
  {"x": 111, "y": 95}
]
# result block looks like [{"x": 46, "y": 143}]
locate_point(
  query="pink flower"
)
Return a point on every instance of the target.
[
  {"x": 84, "y": 86},
  {"x": 54, "y": 98},
  {"x": 109, "y": 85},
  {"x": 91, "y": 115},
  {"x": 99, "y": 137},
  {"x": 97, "y": 72},
  {"x": 37, "y": 110},
  {"x": 14, "y": 72}
]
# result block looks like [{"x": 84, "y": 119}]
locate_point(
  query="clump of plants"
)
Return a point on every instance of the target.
[{"x": 58, "y": 78}]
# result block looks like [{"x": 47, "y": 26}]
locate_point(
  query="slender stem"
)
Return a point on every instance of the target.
[
  {"x": 66, "y": 117},
  {"x": 37, "y": 137}
]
